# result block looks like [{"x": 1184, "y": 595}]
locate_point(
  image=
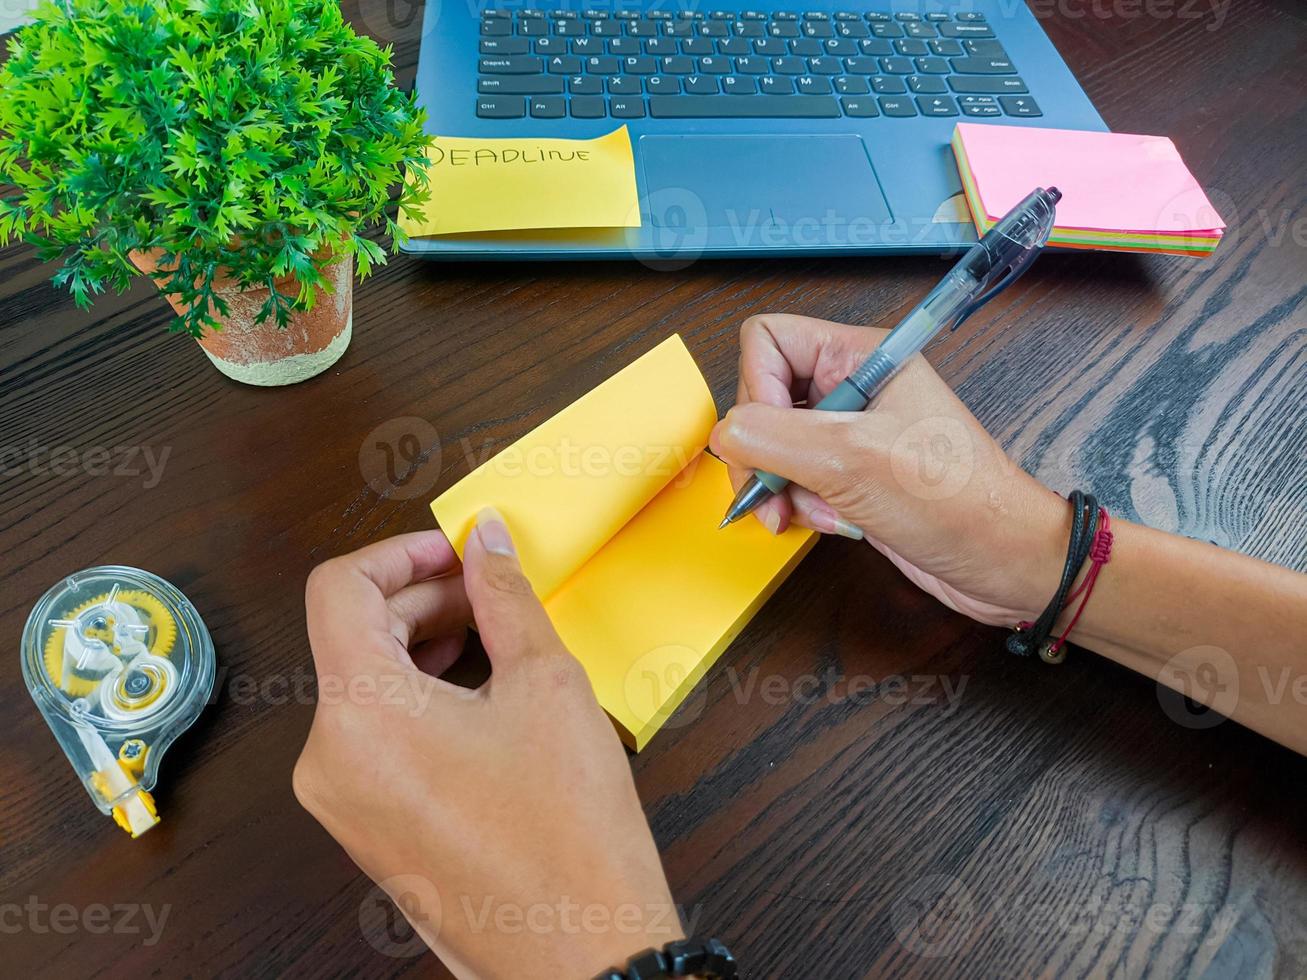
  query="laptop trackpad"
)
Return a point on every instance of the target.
[{"x": 756, "y": 184}]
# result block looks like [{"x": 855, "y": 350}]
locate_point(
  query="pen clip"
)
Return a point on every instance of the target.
[{"x": 1011, "y": 275}]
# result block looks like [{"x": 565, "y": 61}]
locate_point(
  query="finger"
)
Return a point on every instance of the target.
[
  {"x": 437, "y": 655},
  {"x": 345, "y": 597},
  {"x": 812, "y": 449},
  {"x": 509, "y": 617},
  {"x": 813, "y": 512},
  {"x": 784, "y": 357},
  {"x": 427, "y": 609}
]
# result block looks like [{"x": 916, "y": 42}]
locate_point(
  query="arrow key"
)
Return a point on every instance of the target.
[
  {"x": 936, "y": 105},
  {"x": 1020, "y": 105}
]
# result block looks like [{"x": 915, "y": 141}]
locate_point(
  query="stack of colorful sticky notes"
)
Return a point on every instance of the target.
[{"x": 1120, "y": 192}]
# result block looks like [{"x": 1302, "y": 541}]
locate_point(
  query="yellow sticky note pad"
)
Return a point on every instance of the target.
[
  {"x": 614, "y": 507},
  {"x": 506, "y": 184}
]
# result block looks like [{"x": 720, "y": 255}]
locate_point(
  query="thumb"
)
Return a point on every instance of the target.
[
  {"x": 510, "y": 619},
  {"x": 813, "y": 449}
]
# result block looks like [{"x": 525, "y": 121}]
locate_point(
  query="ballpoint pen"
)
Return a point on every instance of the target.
[{"x": 1001, "y": 255}]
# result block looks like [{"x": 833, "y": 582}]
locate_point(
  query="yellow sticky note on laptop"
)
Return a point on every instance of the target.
[
  {"x": 506, "y": 184},
  {"x": 614, "y": 505}
]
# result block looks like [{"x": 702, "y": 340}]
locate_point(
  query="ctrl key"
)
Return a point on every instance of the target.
[{"x": 501, "y": 107}]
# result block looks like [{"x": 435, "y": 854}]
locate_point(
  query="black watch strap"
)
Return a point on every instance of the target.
[{"x": 707, "y": 958}]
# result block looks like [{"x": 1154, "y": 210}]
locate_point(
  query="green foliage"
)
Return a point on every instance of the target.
[{"x": 249, "y": 138}]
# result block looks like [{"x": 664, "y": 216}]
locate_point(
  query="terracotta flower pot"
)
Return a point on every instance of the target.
[{"x": 265, "y": 354}]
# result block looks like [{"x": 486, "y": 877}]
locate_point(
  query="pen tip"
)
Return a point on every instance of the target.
[{"x": 725, "y": 521}]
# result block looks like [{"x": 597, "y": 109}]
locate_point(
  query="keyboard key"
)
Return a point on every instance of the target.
[
  {"x": 817, "y": 29},
  {"x": 624, "y": 45},
  {"x": 979, "y": 109},
  {"x": 789, "y": 66},
  {"x": 751, "y": 66},
  {"x": 919, "y": 30},
  {"x": 854, "y": 29},
  {"x": 548, "y": 107},
  {"x": 701, "y": 85},
  {"x": 984, "y": 49},
  {"x": 911, "y": 48},
  {"x": 532, "y": 28},
  {"x": 946, "y": 49},
  {"x": 510, "y": 65},
  {"x": 825, "y": 66},
  {"x": 807, "y": 47},
  {"x": 927, "y": 85},
  {"x": 715, "y": 66},
  {"x": 812, "y": 85},
  {"x": 760, "y": 107},
  {"x": 563, "y": 64},
  {"x": 641, "y": 28},
  {"x": 900, "y": 107},
  {"x": 505, "y": 45},
  {"x": 1020, "y": 106},
  {"x": 748, "y": 29},
  {"x": 932, "y": 66},
  {"x": 498, "y": 27},
  {"x": 876, "y": 17},
  {"x": 735, "y": 46},
  {"x": 662, "y": 85},
  {"x": 897, "y": 66},
  {"x": 860, "y": 108},
  {"x": 987, "y": 84},
  {"x": 625, "y": 108},
  {"x": 861, "y": 66},
  {"x": 585, "y": 85},
  {"x": 602, "y": 65},
  {"x": 698, "y": 46},
  {"x": 520, "y": 85},
  {"x": 936, "y": 17},
  {"x": 782, "y": 29},
  {"x": 772, "y": 47},
  {"x": 713, "y": 28},
  {"x": 739, "y": 85},
  {"x": 852, "y": 85},
  {"x": 500, "y": 108},
  {"x": 936, "y": 105},
  {"x": 625, "y": 85},
  {"x": 840, "y": 48},
  {"x": 678, "y": 65},
  {"x": 907, "y": 17},
  {"x": 965, "y": 30},
  {"x": 983, "y": 66},
  {"x": 549, "y": 45},
  {"x": 639, "y": 65},
  {"x": 886, "y": 30},
  {"x": 594, "y": 14},
  {"x": 876, "y": 47},
  {"x": 587, "y": 106},
  {"x": 971, "y": 17},
  {"x": 775, "y": 85},
  {"x": 567, "y": 28},
  {"x": 661, "y": 46},
  {"x": 888, "y": 86}
]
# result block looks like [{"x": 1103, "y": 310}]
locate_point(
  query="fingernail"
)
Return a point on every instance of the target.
[
  {"x": 771, "y": 520},
  {"x": 493, "y": 532},
  {"x": 831, "y": 523}
]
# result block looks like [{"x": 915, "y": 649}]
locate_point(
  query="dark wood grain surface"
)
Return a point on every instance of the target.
[{"x": 984, "y": 816}]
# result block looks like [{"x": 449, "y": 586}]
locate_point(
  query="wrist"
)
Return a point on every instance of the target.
[{"x": 1038, "y": 550}]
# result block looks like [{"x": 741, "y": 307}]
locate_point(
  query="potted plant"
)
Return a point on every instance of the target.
[{"x": 232, "y": 150}]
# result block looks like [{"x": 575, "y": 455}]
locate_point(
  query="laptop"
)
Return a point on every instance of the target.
[{"x": 757, "y": 131}]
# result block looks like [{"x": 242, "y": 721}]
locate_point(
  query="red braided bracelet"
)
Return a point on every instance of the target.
[{"x": 1100, "y": 553}]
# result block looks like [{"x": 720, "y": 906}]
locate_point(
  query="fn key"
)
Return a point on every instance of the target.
[{"x": 501, "y": 108}]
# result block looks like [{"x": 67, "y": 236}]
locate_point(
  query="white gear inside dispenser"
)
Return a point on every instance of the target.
[{"x": 119, "y": 664}]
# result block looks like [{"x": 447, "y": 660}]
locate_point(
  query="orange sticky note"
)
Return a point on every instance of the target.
[{"x": 614, "y": 506}]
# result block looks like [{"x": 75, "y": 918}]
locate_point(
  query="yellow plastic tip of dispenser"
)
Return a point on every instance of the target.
[{"x": 137, "y": 815}]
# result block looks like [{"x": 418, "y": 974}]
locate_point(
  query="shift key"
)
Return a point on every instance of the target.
[
  {"x": 987, "y": 84},
  {"x": 521, "y": 85},
  {"x": 511, "y": 65}
]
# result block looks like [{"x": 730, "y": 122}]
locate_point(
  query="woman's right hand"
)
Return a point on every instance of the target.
[{"x": 915, "y": 473}]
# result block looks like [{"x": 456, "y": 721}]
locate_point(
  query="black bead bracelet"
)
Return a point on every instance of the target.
[{"x": 707, "y": 958}]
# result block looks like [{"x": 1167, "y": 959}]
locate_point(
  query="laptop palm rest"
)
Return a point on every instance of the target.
[{"x": 767, "y": 189}]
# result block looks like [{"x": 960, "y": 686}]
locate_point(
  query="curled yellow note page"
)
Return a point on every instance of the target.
[
  {"x": 505, "y": 184},
  {"x": 568, "y": 486}
]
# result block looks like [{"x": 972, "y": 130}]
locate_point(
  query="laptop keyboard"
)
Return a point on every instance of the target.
[{"x": 593, "y": 64}]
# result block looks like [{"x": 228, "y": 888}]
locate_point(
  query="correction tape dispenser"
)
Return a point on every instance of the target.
[{"x": 120, "y": 664}]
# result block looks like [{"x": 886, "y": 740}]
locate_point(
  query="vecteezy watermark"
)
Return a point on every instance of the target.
[
  {"x": 574, "y": 460},
  {"x": 400, "y": 915},
  {"x": 934, "y": 917},
  {"x": 1214, "y": 11},
  {"x": 400, "y": 458},
  {"x": 410, "y": 690},
  {"x": 95, "y": 918},
  {"x": 130, "y": 462},
  {"x": 933, "y": 458},
  {"x": 1199, "y": 687}
]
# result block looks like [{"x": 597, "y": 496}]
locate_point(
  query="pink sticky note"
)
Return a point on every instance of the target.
[{"x": 1109, "y": 181}]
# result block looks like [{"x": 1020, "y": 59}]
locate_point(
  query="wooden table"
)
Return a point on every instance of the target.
[{"x": 1032, "y": 820}]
